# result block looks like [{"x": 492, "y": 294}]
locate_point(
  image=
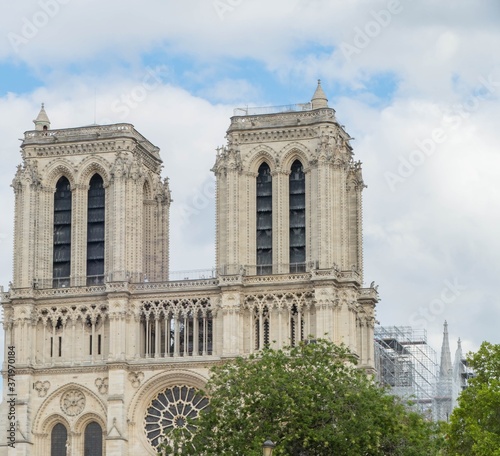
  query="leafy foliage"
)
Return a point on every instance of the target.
[
  {"x": 312, "y": 401},
  {"x": 475, "y": 424}
]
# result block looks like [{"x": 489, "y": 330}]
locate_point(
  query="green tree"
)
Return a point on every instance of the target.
[
  {"x": 475, "y": 424},
  {"x": 312, "y": 401}
]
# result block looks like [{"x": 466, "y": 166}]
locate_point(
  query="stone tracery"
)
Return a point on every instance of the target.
[
  {"x": 73, "y": 402},
  {"x": 177, "y": 327}
]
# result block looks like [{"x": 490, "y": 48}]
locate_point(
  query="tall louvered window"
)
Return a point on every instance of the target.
[
  {"x": 93, "y": 440},
  {"x": 61, "y": 266},
  {"x": 264, "y": 220},
  {"x": 58, "y": 438},
  {"x": 95, "y": 231},
  {"x": 297, "y": 202}
]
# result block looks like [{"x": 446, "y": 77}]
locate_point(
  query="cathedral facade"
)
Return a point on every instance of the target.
[{"x": 104, "y": 355}]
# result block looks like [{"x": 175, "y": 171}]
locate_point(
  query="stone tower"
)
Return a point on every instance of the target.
[
  {"x": 104, "y": 343},
  {"x": 289, "y": 216},
  {"x": 289, "y": 193}
]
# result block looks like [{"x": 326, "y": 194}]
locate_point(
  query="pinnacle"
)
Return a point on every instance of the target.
[
  {"x": 319, "y": 99},
  {"x": 42, "y": 121}
]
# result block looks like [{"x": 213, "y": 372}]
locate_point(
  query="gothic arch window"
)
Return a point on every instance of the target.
[
  {"x": 264, "y": 220},
  {"x": 297, "y": 205},
  {"x": 95, "y": 231},
  {"x": 93, "y": 440},
  {"x": 58, "y": 438},
  {"x": 61, "y": 266}
]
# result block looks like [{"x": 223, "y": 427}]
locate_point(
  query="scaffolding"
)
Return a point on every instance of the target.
[
  {"x": 407, "y": 364},
  {"x": 462, "y": 373}
]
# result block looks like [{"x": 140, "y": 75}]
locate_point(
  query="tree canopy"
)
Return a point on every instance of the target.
[
  {"x": 309, "y": 399},
  {"x": 475, "y": 424}
]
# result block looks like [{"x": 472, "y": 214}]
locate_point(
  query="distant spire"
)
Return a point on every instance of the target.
[
  {"x": 42, "y": 122},
  {"x": 458, "y": 358},
  {"x": 319, "y": 99},
  {"x": 446, "y": 366}
]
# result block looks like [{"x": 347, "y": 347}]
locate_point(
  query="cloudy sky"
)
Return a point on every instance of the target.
[{"x": 416, "y": 83}]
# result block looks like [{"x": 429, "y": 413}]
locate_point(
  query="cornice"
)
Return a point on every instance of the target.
[
  {"x": 274, "y": 134},
  {"x": 78, "y": 148}
]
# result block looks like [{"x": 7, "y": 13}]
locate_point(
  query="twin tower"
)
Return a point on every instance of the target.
[{"x": 109, "y": 353}]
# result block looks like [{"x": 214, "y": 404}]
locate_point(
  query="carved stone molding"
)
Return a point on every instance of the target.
[
  {"x": 102, "y": 385},
  {"x": 42, "y": 387},
  {"x": 136, "y": 378}
]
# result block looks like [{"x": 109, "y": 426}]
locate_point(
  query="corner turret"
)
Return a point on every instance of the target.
[
  {"x": 42, "y": 121},
  {"x": 319, "y": 99}
]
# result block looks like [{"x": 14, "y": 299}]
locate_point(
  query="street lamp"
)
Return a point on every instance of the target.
[{"x": 268, "y": 447}]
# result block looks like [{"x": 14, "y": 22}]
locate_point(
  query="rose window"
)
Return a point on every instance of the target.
[
  {"x": 174, "y": 408},
  {"x": 73, "y": 402}
]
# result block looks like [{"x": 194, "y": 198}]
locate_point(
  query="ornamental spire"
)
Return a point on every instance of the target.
[
  {"x": 42, "y": 122},
  {"x": 319, "y": 99}
]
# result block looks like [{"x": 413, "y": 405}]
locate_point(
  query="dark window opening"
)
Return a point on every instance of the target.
[
  {"x": 90, "y": 348},
  {"x": 58, "y": 438},
  {"x": 297, "y": 203},
  {"x": 60, "y": 346},
  {"x": 98, "y": 344},
  {"x": 93, "y": 440},
  {"x": 264, "y": 221},
  {"x": 51, "y": 347},
  {"x": 61, "y": 266},
  {"x": 95, "y": 231},
  {"x": 266, "y": 332},
  {"x": 257, "y": 334}
]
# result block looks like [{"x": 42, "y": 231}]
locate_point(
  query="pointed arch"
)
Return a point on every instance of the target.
[
  {"x": 51, "y": 421},
  {"x": 88, "y": 418},
  {"x": 91, "y": 166},
  {"x": 147, "y": 189},
  {"x": 294, "y": 151},
  {"x": 42, "y": 425},
  {"x": 259, "y": 155},
  {"x": 56, "y": 170}
]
